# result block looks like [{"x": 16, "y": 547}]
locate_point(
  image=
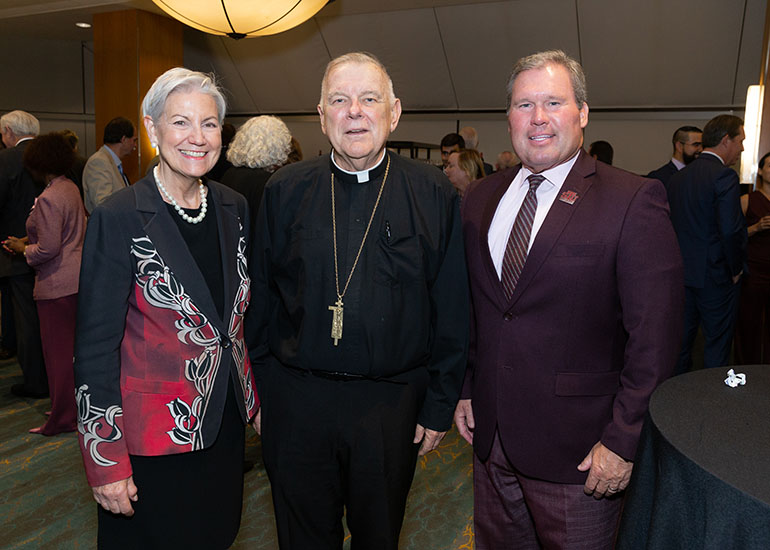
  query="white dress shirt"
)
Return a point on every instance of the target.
[{"x": 510, "y": 203}]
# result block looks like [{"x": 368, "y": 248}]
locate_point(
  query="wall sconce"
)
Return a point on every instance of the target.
[
  {"x": 751, "y": 126},
  {"x": 241, "y": 18}
]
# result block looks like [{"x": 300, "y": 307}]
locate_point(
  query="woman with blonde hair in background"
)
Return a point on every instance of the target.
[{"x": 463, "y": 167}]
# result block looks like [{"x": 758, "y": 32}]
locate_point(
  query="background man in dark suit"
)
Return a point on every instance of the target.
[
  {"x": 711, "y": 229},
  {"x": 567, "y": 349},
  {"x": 688, "y": 144},
  {"x": 17, "y": 195}
]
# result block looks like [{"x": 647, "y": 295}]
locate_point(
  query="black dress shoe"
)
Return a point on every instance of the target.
[
  {"x": 6, "y": 354},
  {"x": 21, "y": 390}
]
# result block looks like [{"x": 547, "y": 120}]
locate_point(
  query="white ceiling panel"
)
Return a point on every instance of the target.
[
  {"x": 408, "y": 43},
  {"x": 483, "y": 41},
  {"x": 278, "y": 73},
  {"x": 661, "y": 53},
  {"x": 450, "y": 55},
  {"x": 207, "y": 53},
  {"x": 283, "y": 71}
]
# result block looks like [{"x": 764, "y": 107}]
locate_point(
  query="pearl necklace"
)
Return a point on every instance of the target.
[{"x": 186, "y": 217}]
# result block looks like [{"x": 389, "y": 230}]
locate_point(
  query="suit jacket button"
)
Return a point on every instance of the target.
[
  {"x": 508, "y": 316},
  {"x": 225, "y": 342}
]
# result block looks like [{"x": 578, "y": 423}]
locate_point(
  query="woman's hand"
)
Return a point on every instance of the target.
[
  {"x": 15, "y": 245},
  {"x": 117, "y": 497},
  {"x": 762, "y": 225}
]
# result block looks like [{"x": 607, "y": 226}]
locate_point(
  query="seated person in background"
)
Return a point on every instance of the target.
[
  {"x": 506, "y": 159},
  {"x": 687, "y": 142},
  {"x": 752, "y": 330},
  {"x": 450, "y": 143},
  {"x": 602, "y": 150},
  {"x": 464, "y": 167}
]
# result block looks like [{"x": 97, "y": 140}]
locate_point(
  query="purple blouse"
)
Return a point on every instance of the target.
[{"x": 56, "y": 227}]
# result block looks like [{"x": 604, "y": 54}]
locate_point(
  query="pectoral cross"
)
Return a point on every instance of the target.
[{"x": 337, "y": 321}]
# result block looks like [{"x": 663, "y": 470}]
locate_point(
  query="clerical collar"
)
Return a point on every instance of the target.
[{"x": 362, "y": 176}]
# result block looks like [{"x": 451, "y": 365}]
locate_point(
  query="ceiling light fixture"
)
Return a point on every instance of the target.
[
  {"x": 83, "y": 25},
  {"x": 241, "y": 18}
]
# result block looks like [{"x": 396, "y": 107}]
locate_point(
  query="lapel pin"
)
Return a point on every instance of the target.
[{"x": 569, "y": 197}]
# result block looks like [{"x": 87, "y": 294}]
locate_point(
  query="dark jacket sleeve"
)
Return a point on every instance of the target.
[
  {"x": 649, "y": 275},
  {"x": 449, "y": 300},
  {"x": 106, "y": 279},
  {"x": 731, "y": 222}
]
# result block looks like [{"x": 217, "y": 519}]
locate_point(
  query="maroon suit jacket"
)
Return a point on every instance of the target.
[{"x": 593, "y": 326}]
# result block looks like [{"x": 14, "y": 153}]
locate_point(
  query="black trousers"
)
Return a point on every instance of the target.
[
  {"x": 29, "y": 349},
  {"x": 332, "y": 446},
  {"x": 7, "y": 324}
]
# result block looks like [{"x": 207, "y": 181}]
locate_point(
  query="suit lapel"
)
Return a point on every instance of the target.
[
  {"x": 486, "y": 220},
  {"x": 229, "y": 225},
  {"x": 579, "y": 182},
  {"x": 171, "y": 247}
]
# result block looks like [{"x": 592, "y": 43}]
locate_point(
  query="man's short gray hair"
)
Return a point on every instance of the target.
[
  {"x": 262, "y": 142},
  {"x": 21, "y": 123},
  {"x": 552, "y": 57},
  {"x": 360, "y": 58},
  {"x": 180, "y": 79}
]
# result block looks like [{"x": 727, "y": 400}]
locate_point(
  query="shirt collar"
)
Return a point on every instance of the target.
[
  {"x": 361, "y": 176},
  {"x": 678, "y": 163},
  {"x": 556, "y": 175},
  {"x": 713, "y": 153},
  {"x": 115, "y": 157}
]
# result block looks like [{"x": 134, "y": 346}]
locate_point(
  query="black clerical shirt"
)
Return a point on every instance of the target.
[{"x": 407, "y": 303}]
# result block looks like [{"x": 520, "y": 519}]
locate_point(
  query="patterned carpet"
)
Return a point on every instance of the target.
[{"x": 46, "y": 503}]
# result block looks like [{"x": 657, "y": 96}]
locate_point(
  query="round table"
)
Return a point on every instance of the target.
[{"x": 701, "y": 477}]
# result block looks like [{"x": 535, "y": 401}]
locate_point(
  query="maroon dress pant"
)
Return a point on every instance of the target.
[
  {"x": 516, "y": 512},
  {"x": 57, "y": 333}
]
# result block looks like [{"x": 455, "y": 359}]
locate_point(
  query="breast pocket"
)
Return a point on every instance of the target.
[
  {"x": 399, "y": 260},
  {"x": 579, "y": 254}
]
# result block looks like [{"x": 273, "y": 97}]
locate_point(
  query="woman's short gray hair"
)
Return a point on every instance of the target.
[
  {"x": 261, "y": 142},
  {"x": 180, "y": 79}
]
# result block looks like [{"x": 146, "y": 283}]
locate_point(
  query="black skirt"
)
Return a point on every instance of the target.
[{"x": 189, "y": 500}]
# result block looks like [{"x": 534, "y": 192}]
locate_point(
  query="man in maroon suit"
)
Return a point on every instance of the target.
[{"x": 577, "y": 294}]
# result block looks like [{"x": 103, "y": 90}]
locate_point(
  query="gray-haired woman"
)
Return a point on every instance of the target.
[
  {"x": 259, "y": 148},
  {"x": 164, "y": 386}
]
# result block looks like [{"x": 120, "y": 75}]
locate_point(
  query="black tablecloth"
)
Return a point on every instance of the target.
[{"x": 701, "y": 476}]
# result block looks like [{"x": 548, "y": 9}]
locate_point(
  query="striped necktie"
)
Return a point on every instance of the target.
[{"x": 518, "y": 242}]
